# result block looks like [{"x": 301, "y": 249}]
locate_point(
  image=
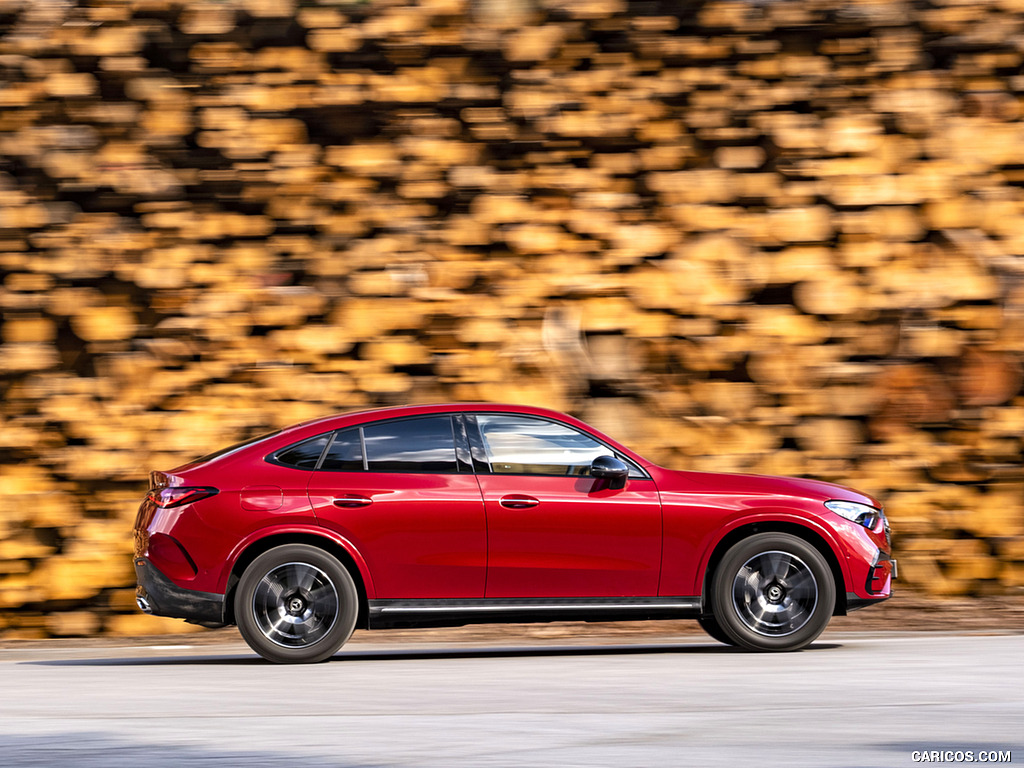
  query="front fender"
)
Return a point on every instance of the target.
[{"x": 776, "y": 520}]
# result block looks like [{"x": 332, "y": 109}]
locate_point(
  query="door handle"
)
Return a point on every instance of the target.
[
  {"x": 518, "y": 502},
  {"x": 351, "y": 500}
]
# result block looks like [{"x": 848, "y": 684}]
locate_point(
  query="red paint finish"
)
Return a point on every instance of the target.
[
  {"x": 169, "y": 556},
  {"x": 422, "y": 535},
  {"x": 571, "y": 537},
  {"x": 704, "y": 508},
  {"x": 209, "y": 530},
  {"x": 472, "y": 534},
  {"x": 261, "y": 498}
]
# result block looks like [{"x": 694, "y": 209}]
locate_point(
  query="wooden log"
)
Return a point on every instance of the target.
[
  {"x": 762, "y": 245},
  {"x": 987, "y": 377}
]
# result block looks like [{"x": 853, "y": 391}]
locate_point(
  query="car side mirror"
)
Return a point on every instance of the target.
[{"x": 611, "y": 469}]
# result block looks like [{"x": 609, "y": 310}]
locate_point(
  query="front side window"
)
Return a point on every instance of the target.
[{"x": 521, "y": 445}]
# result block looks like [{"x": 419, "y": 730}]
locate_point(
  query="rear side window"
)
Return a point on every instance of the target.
[
  {"x": 409, "y": 445},
  {"x": 303, "y": 455},
  {"x": 345, "y": 453},
  {"x": 412, "y": 445}
]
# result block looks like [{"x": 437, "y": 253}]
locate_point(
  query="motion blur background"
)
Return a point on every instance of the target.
[{"x": 780, "y": 237}]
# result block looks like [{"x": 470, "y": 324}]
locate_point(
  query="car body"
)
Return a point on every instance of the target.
[{"x": 444, "y": 515}]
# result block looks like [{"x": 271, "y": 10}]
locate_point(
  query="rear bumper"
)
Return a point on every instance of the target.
[{"x": 158, "y": 595}]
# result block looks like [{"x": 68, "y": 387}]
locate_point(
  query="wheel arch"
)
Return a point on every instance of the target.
[
  {"x": 809, "y": 535},
  {"x": 265, "y": 544}
]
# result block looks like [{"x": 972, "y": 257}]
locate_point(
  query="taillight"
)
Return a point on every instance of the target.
[{"x": 175, "y": 497}]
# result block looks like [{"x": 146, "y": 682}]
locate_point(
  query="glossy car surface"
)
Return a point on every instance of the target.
[{"x": 446, "y": 515}]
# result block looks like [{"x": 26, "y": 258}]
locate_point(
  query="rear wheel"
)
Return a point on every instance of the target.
[
  {"x": 773, "y": 592},
  {"x": 296, "y": 604}
]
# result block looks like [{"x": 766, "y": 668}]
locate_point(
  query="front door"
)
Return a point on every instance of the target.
[{"x": 554, "y": 531}]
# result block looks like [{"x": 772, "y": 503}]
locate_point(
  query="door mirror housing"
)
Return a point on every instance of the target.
[{"x": 611, "y": 469}]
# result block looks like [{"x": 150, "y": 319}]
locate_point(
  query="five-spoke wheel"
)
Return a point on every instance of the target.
[{"x": 296, "y": 604}]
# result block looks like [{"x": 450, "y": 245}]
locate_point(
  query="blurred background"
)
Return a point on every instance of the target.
[{"x": 777, "y": 237}]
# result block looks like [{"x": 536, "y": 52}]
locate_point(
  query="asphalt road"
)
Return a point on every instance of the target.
[{"x": 849, "y": 700}]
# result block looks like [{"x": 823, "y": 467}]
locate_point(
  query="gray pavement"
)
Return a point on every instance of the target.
[{"x": 850, "y": 700}]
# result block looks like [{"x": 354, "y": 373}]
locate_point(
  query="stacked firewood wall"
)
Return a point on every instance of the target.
[{"x": 779, "y": 237}]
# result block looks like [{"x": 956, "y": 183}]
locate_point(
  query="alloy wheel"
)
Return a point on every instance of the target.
[
  {"x": 774, "y": 593},
  {"x": 295, "y": 605}
]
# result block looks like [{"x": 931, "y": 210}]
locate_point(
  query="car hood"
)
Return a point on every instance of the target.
[{"x": 760, "y": 485}]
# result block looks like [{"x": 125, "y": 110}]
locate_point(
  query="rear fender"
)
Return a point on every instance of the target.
[{"x": 303, "y": 532}]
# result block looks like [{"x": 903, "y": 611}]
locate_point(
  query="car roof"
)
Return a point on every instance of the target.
[{"x": 404, "y": 411}]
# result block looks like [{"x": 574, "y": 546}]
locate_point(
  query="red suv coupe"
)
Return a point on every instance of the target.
[{"x": 445, "y": 515}]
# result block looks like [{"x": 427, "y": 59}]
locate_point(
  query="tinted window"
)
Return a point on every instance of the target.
[
  {"x": 303, "y": 455},
  {"x": 345, "y": 453},
  {"x": 236, "y": 447},
  {"x": 518, "y": 445},
  {"x": 413, "y": 445}
]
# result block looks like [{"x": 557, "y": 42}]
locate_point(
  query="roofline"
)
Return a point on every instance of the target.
[
  {"x": 397, "y": 411},
  {"x": 366, "y": 415}
]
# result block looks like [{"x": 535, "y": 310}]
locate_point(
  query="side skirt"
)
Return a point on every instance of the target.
[{"x": 389, "y": 614}]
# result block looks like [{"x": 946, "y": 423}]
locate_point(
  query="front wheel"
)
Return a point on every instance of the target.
[
  {"x": 773, "y": 592},
  {"x": 296, "y": 604},
  {"x": 711, "y": 626}
]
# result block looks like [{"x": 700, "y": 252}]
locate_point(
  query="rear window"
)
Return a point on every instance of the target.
[{"x": 236, "y": 447}]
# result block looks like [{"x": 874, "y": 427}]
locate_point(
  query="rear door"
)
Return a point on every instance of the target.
[
  {"x": 555, "y": 531},
  {"x": 401, "y": 493}
]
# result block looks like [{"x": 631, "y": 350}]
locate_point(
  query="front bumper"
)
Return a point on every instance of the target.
[
  {"x": 854, "y": 602},
  {"x": 881, "y": 575},
  {"x": 877, "y": 585},
  {"x": 158, "y": 595}
]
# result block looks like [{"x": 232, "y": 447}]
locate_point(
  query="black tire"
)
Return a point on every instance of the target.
[
  {"x": 296, "y": 604},
  {"x": 773, "y": 592},
  {"x": 710, "y": 625}
]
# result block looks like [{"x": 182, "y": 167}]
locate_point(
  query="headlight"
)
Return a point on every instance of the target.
[{"x": 857, "y": 513}]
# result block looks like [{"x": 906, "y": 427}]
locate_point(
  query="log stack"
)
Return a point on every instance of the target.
[{"x": 769, "y": 238}]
